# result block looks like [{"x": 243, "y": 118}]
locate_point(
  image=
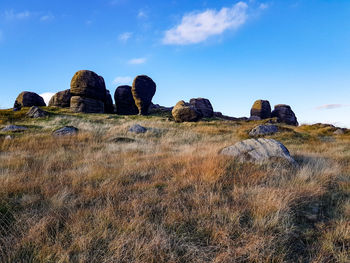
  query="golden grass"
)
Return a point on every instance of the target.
[{"x": 168, "y": 196}]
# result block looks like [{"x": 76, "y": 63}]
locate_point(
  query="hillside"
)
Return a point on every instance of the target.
[{"x": 166, "y": 195}]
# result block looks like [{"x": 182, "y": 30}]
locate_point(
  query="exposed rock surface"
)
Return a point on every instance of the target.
[
  {"x": 185, "y": 112},
  {"x": 137, "y": 129},
  {"x": 284, "y": 114},
  {"x": 228, "y": 118},
  {"x": 261, "y": 109},
  {"x": 61, "y": 99},
  {"x": 143, "y": 90},
  {"x": 203, "y": 106},
  {"x": 66, "y": 130},
  {"x": 86, "y": 105},
  {"x": 13, "y": 128},
  {"x": 108, "y": 105},
  {"x": 36, "y": 112},
  {"x": 28, "y": 99},
  {"x": 339, "y": 131},
  {"x": 258, "y": 151},
  {"x": 124, "y": 101},
  {"x": 254, "y": 118},
  {"x": 157, "y": 107},
  {"x": 88, "y": 92},
  {"x": 263, "y": 130}
]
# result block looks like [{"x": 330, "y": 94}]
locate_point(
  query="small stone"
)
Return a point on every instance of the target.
[
  {"x": 8, "y": 138},
  {"x": 66, "y": 130},
  {"x": 35, "y": 112},
  {"x": 263, "y": 130},
  {"x": 14, "y": 128},
  {"x": 339, "y": 132},
  {"x": 137, "y": 129}
]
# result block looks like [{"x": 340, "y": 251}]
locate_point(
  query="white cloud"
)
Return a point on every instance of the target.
[
  {"x": 142, "y": 14},
  {"x": 197, "y": 27},
  {"x": 331, "y": 106},
  {"x": 137, "y": 61},
  {"x": 47, "y": 96},
  {"x": 47, "y": 17},
  {"x": 122, "y": 80},
  {"x": 125, "y": 37},
  {"x": 12, "y": 15},
  {"x": 263, "y": 6}
]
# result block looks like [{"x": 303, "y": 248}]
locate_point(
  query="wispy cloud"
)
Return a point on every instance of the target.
[
  {"x": 263, "y": 6},
  {"x": 125, "y": 37},
  {"x": 12, "y": 15},
  {"x": 47, "y": 96},
  {"x": 122, "y": 80},
  {"x": 137, "y": 61},
  {"x": 47, "y": 17},
  {"x": 332, "y": 106},
  {"x": 142, "y": 14},
  {"x": 197, "y": 27}
]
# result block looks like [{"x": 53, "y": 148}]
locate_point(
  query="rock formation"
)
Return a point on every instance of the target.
[
  {"x": 143, "y": 90},
  {"x": 284, "y": 114},
  {"x": 203, "y": 106},
  {"x": 184, "y": 112},
  {"x": 258, "y": 151},
  {"x": 61, "y": 99},
  {"x": 263, "y": 130},
  {"x": 28, "y": 99},
  {"x": 261, "y": 109},
  {"x": 66, "y": 130},
  {"x": 124, "y": 101},
  {"x": 108, "y": 104},
  {"x": 88, "y": 92},
  {"x": 137, "y": 128},
  {"x": 35, "y": 112}
]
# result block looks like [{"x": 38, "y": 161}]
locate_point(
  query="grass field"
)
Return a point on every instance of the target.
[{"x": 107, "y": 195}]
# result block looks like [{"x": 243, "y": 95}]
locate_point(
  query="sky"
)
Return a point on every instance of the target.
[{"x": 294, "y": 52}]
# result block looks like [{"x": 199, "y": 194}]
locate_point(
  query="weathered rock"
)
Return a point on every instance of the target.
[
  {"x": 108, "y": 105},
  {"x": 261, "y": 109},
  {"x": 263, "y": 130},
  {"x": 143, "y": 90},
  {"x": 88, "y": 84},
  {"x": 13, "y": 128},
  {"x": 66, "y": 130},
  {"x": 203, "y": 106},
  {"x": 61, "y": 99},
  {"x": 258, "y": 151},
  {"x": 35, "y": 112},
  {"x": 86, "y": 105},
  {"x": 254, "y": 118},
  {"x": 124, "y": 101},
  {"x": 185, "y": 112},
  {"x": 284, "y": 114},
  {"x": 137, "y": 129},
  {"x": 28, "y": 99},
  {"x": 339, "y": 131}
]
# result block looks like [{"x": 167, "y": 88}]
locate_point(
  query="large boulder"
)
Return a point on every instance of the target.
[
  {"x": 261, "y": 109},
  {"x": 203, "y": 106},
  {"x": 28, "y": 99},
  {"x": 143, "y": 90},
  {"x": 124, "y": 101},
  {"x": 35, "y": 112},
  {"x": 61, "y": 99},
  {"x": 185, "y": 112},
  {"x": 258, "y": 151},
  {"x": 108, "y": 104},
  {"x": 285, "y": 114},
  {"x": 86, "y": 105},
  {"x": 88, "y": 84}
]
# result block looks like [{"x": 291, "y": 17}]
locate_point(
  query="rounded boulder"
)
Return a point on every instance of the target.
[
  {"x": 261, "y": 109},
  {"x": 28, "y": 99},
  {"x": 61, "y": 99},
  {"x": 185, "y": 112},
  {"x": 285, "y": 114},
  {"x": 124, "y": 101},
  {"x": 88, "y": 84},
  {"x": 143, "y": 90}
]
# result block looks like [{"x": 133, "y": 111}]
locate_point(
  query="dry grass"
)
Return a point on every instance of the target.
[{"x": 168, "y": 196}]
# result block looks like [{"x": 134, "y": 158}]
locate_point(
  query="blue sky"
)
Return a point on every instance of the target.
[{"x": 232, "y": 52}]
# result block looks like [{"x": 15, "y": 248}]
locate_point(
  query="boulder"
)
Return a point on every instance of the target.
[
  {"x": 35, "y": 112},
  {"x": 203, "y": 106},
  {"x": 108, "y": 105},
  {"x": 61, "y": 99},
  {"x": 263, "y": 130},
  {"x": 284, "y": 114},
  {"x": 88, "y": 84},
  {"x": 261, "y": 109},
  {"x": 66, "y": 130},
  {"x": 258, "y": 151},
  {"x": 124, "y": 101},
  {"x": 143, "y": 90},
  {"x": 28, "y": 99},
  {"x": 13, "y": 128},
  {"x": 185, "y": 112},
  {"x": 339, "y": 131},
  {"x": 137, "y": 129},
  {"x": 86, "y": 105}
]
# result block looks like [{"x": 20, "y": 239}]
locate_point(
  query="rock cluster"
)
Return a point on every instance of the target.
[
  {"x": 61, "y": 99},
  {"x": 28, "y": 99}
]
